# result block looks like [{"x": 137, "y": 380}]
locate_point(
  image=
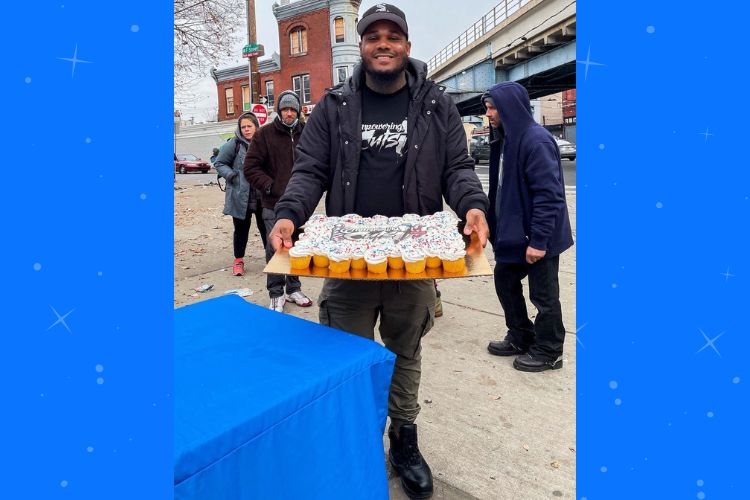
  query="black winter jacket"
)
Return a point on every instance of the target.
[{"x": 437, "y": 164}]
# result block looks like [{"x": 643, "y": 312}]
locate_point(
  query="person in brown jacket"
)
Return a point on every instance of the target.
[{"x": 268, "y": 167}]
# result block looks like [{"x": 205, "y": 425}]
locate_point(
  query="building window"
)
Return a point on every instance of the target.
[
  {"x": 298, "y": 41},
  {"x": 301, "y": 85},
  {"x": 269, "y": 93},
  {"x": 338, "y": 26},
  {"x": 229, "y": 96},
  {"x": 342, "y": 74},
  {"x": 245, "y": 98}
]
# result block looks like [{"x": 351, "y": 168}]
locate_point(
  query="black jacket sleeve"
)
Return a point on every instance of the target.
[{"x": 461, "y": 186}]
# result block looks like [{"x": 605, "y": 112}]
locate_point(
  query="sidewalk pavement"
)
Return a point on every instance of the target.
[{"x": 487, "y": 430}]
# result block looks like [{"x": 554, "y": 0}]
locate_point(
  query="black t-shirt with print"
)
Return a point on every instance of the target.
[{"x": 383, "y": 156}]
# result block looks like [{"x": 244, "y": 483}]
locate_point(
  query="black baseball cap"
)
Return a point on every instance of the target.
[{"x": 383, "y": 12}]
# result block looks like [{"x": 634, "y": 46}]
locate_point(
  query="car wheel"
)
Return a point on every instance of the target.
[
  {"x": 182, "y": 170},
  {"x": 204, "y": 171}
]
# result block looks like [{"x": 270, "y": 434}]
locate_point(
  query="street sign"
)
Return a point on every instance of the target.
[
  {"x": 259, "y": 110},
  {"x": 253, "y": 50},
  {"x": 263, "y": 99}
]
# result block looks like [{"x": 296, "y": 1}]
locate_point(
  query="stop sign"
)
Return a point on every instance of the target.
[{"x": 259, "y": 111}]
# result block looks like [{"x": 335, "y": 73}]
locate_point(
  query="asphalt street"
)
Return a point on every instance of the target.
[{"x": 482, "y": 169}]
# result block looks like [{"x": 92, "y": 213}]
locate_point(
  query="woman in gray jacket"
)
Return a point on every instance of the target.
[{"x": 241, "y": 200}]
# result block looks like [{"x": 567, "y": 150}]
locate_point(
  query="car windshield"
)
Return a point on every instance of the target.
[{"x": 187, "y": 157}]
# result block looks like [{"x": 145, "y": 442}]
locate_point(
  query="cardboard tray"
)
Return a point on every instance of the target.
[{"x": 476, "y": 265}]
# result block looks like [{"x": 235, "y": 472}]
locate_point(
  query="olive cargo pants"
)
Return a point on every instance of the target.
[{"x": 406, "y": 310}]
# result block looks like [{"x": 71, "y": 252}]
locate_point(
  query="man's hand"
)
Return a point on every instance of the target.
[
  {"x": 476, "y": 223},
  {"x": 533, "y": 255},
  {"x": 281, "y": 234}
]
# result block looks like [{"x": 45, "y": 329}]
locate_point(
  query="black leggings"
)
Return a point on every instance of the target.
[{"x": 242, "y": 230}]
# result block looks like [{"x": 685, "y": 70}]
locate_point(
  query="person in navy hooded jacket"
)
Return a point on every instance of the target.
[{"x": 529, "y": 228}]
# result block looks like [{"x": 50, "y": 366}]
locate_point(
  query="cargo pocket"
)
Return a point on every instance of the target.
[{"x": 427, "y": 323}]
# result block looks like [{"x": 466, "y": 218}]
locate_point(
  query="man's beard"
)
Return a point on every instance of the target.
[{"x": 384, "y": 78}]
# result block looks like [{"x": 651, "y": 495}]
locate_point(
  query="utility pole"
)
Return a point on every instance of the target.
[{"x": 251, "y": 38}]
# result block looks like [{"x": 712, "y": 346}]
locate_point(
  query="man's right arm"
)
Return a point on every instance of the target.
[{"x": 255, "y": 160}]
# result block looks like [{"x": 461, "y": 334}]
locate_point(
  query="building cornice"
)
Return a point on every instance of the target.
[
  {"x": 235, "y": 72},
  {"x": 294, "y": 9}
]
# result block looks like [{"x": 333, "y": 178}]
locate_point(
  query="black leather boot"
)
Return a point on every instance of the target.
[{"x": 408, "y": 462}]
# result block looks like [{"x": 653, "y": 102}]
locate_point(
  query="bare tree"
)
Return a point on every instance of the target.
[{"x": 205, "y": 32}]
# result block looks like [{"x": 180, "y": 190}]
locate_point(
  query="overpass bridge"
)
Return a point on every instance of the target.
[{"x": 532, "y": 42}]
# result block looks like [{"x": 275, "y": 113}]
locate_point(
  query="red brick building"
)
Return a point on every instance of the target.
[
  {"x": 313, "y": 35},
  {"x": 569, "y": 106}
]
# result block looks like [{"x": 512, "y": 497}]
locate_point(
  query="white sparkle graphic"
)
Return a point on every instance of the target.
[
  {"x": 601, "y": 146},
  {"x": 100, "y": 380},
  {"x": 659, "y": 204},
  {"x": 710, "y": 342},
  {"x": 74, "y": 60},
  {"x": 135, "y": 28},
  {"x": 61, "y": 319},
  {"x": 700, "y": 482},
  {"x": 701, "y": 495},
  {"x": 727, "y": 275},
  {"x": 588, "y": 62},
  {"x": 578, "y": 338},
  {"x": 706, "y": 133},
  {"x": 613, "y": 384},
  {"x": 603, "y": 468},
  {"x": 650, "y": 29},
  {"x": 143, "y": 196},
  {"x": 90, "y": 449},
  {"x": 64, "y": 483},
  {"x": 99, "y": 368},
  {"x": 710, "y": 414},
  {"x": 88, "y": 140},
  {"x": 37, "y": 266},
  {"x": 27, "y": 79},
  {"x": 736, "y": 380},
  {"x": 99, "y": 273},
  {"x": 618, "y": 402}
]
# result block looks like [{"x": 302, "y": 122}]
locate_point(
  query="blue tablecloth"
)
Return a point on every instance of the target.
[{"x": 269, "y": 406}]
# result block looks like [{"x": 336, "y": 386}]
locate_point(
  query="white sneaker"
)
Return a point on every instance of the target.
[
  {"x": 277, "y": 304},
  {"x": 299, "y": 298}
]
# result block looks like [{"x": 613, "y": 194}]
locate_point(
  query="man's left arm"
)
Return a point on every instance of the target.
[
  {"x": 542, "y": 171},
  {"x": 460, "y": 185}
]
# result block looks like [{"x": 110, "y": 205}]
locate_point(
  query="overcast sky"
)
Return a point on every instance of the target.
[{"x": 433, "y": 24}]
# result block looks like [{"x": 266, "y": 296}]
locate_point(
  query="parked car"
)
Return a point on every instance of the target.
[
  {"x": 190, "y": 163},
  {"x": 479, "y": 148},
  {"x": 567, "y": 149}
]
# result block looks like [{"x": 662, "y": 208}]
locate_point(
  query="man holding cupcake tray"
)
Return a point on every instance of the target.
[{"x": 386, "y": 142}]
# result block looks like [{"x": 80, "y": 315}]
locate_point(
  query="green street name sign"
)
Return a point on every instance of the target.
[{"x": 253, "y": 50}]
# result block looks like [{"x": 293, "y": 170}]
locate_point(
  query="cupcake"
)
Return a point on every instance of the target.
[
  {"x": 358, "y": 257},
  {"x": 454, "y": 261},
  {"x": 339, "y": 259},
  {"x": 394, "y": 259},
  {"x": 377, "y": 260},
  {"x": 320, "y": 254},
  {"x": 414, "y": 260},
  {"x": 432, "y": 259},
  {"x": 299, "y": 256}
]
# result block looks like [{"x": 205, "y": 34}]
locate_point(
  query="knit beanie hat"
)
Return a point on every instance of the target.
[{"x": 288, "y": 99}]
